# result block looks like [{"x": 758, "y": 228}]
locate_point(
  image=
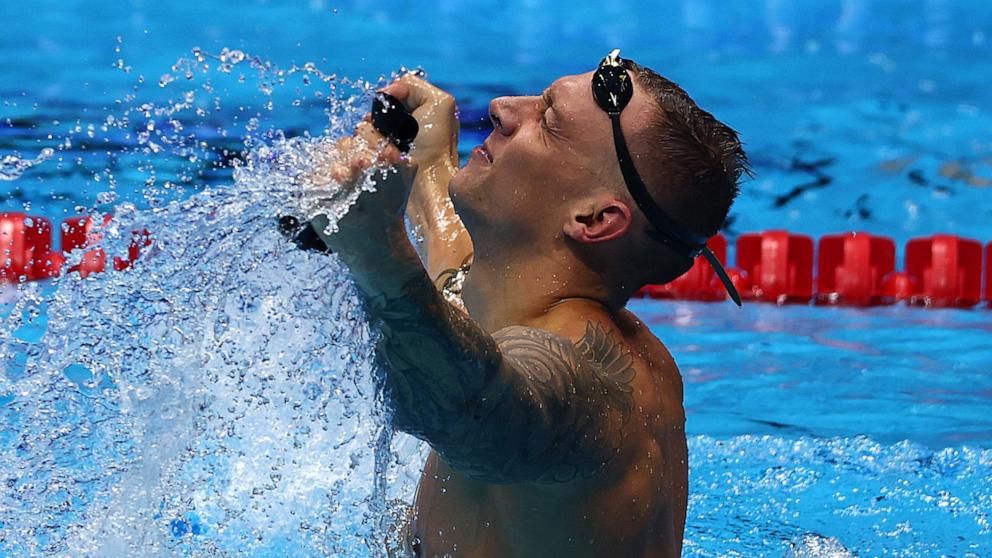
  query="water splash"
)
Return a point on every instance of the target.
[
  {"x": 817, "y": 546},
  {"x": 13, "y": 166},
  {"x": 216, "y": 399}
]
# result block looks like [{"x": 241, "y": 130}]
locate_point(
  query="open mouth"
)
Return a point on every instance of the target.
[{"x": 483, "y": 151}]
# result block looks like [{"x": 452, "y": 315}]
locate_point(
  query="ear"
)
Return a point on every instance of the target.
[{"x": 598, "y": 221}]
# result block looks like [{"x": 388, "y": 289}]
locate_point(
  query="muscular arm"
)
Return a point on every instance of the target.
[
  {"x": 520, "y": 405},
  {"x": 558, "y": 408},
  {"x": 444, "y": 245}
]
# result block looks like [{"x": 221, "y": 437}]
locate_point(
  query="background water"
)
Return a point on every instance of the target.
[
  {"x": 858, "y": 114},
  {"x": 869, "y": 428}
]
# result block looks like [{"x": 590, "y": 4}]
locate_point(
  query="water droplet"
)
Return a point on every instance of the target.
[{"x": 13, "y": 167}]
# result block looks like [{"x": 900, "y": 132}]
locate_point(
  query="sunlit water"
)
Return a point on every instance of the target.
[{"x": 219, "y": 398}]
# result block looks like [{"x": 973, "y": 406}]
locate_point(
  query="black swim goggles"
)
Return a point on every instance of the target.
[{"x": 612, "y": 89}]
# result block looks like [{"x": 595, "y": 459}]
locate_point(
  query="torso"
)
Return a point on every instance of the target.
[{"x": 634, "y": 508}]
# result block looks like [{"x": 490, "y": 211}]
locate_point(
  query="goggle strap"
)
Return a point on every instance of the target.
[
  {"x": 672, "y": 234},
  {"x": 722, "y": 274},
  {"x": 686, "y": 244}
]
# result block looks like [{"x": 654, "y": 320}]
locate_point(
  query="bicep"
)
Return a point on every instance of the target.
[{"x": 552, "y": 413}]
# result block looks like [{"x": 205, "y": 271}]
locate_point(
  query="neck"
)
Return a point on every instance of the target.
[{"x": 503, "y": 291}]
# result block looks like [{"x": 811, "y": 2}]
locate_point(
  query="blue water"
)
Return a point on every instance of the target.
[
  {"x": 810, "y": 428},
  {"x": 871, "y": 426},
  {"x": 886, "y": 100}
]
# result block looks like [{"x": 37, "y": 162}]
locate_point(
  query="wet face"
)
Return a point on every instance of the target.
[{"x": 545, "y": 157}]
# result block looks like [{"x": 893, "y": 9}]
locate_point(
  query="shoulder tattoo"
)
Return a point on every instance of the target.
[{"x": 558, "y": 412}]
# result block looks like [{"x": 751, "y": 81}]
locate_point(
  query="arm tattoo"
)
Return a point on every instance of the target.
[
  {"x": 521, "y": 405},
  {"x": 451, "y": 280},
  {"x": 558, "y": 411}
]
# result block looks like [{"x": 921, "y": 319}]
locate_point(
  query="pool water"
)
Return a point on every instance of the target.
[
  {"x": 219, "y": 399},
  {"x": 869, "y": 426},
  {"x": 857, "y": 114}
]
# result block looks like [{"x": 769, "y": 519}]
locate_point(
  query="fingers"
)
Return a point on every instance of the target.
[
  {"x": 416, "y": 92},
  {"x": 366, "y": 132},
  {"x": 400, "y": 90},
  {"x": 366, "y": 149},
  {"x": 345, "y": 144},
  {"x": 352, "y": 166}
]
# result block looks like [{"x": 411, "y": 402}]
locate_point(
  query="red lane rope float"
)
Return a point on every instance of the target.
[
  {"x": 28, "y": 255},
  {"x": 949, "y": 269},
  {"x": 80, "y": 232},
  {"x": 853, "y": 269},
  {"x": 988, "y": 274},
  {"x": 25, "y": 243},
  {"x": 778, "y": 266}
]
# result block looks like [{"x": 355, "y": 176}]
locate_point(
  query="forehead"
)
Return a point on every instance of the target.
[
  {"x": 574, "y": 93},
  {"x": 572, "y": 89}
]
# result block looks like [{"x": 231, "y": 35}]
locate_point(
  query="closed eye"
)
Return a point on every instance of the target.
[{"x": 548, "y": 103}]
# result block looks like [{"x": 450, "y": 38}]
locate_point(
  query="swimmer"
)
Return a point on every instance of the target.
[{"x": 553, "y": 414}]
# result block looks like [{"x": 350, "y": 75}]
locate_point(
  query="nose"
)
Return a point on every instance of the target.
[{"x": 508, "y": 113}]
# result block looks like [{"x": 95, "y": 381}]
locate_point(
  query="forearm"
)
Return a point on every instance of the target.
[
  {"x": 437, "y": 359},
  {"x": 443, "y": 243}
]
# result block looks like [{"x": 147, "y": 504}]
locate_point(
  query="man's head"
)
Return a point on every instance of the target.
[{"x": 547, "y": 179}]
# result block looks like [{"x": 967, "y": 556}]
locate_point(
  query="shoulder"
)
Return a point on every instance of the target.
[
  {"x": 598, "y": 355},
  {"x": 652, "y": 376},
  {"x": 603, "y": 336}
]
